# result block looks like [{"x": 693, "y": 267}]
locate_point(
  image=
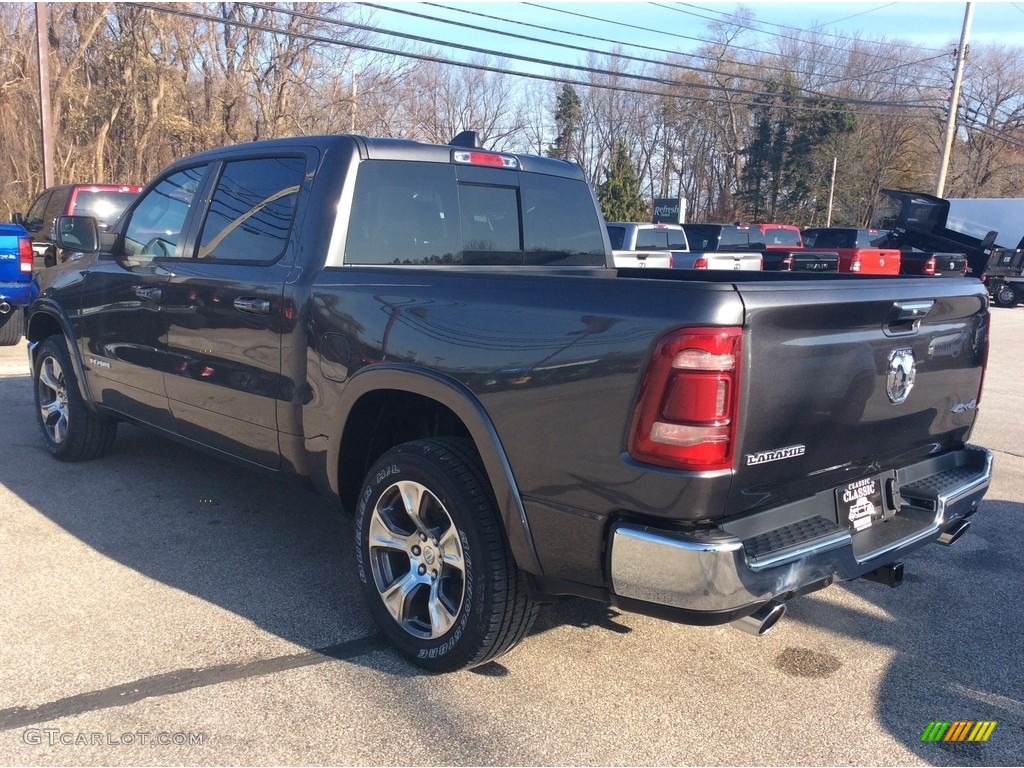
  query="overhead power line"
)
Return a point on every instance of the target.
[
  {"x": 648, "y": 30},
  {"x": 825, "y": 107},
  {"x": 731, "y": 15},
  {"x": 864, "y": 77},
  {"x": 812, "y": 102},
  {"x": 581, "y": 49}
]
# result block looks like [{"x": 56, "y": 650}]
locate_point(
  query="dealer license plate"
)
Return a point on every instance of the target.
[{"x": 859, "y": 503}]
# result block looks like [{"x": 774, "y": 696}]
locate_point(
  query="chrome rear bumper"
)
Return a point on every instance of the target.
[{"x": 724, "y": 572}]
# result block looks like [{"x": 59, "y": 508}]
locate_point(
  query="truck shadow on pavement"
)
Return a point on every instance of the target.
[{"x": 269, "y": 550}]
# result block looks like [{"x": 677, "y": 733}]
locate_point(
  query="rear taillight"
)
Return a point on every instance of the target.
[
  {"x": 929, "y": 266},
  {"x": 855, "y": 263},
  {"x": 701, "y": 263},
  {"x": 966, "y": 265},
  {"x": 686, "y": 414},
  {"x": 787, "y": 263},
  {"x": 25, "y": 256}
]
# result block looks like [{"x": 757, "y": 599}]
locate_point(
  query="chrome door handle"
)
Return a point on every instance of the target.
[{"x": 252, "y": 306}]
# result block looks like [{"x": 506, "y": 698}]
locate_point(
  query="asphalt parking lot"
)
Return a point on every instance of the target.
[{"x": 163, "y": 608}]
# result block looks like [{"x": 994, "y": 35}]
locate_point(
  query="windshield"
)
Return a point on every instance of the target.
[{"x": 104, "y": 206}]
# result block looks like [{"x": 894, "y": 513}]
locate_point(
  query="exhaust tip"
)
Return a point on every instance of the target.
[
  {"x": 953, "y": 532},
  {"x": 4, "y": 307},
  {"x": 761, "y": 621}
]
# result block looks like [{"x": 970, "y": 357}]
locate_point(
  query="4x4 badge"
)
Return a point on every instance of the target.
[{"x": 900, "y": 378}]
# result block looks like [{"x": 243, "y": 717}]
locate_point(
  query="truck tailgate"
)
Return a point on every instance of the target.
[{"x": 843, "y": 384}]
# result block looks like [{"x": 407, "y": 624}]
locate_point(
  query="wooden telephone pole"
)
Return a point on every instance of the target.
[{"x": 954, "y": 100}]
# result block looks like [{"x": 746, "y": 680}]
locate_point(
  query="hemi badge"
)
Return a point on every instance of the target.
[{"x": 777, "y": 455}]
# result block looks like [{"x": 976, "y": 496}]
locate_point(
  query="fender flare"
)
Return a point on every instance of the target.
[
  {"x": 464, "y": 404},
  {"x": 56, "y": 312}
]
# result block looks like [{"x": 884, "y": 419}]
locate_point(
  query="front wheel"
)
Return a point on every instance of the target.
[
  {"x": 1005, "y": 295},
  {"x": 435, "y": 567},
  {"x": 71, "y": 432}
]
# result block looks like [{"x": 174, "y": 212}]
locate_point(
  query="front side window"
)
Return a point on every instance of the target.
[
  {"x": 34, "y": 217},
  {"x": 252, "y": 209},
  {"x": 155, "y": 227}
]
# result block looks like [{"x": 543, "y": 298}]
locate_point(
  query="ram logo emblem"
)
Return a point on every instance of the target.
[{"x": 901, "y": 374}]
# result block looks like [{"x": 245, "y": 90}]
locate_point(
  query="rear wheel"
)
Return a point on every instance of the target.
[
  {"x": 1005, "y": 295},
  {"x": 11, "y": 326},
  {"x": 436, "y": 570},
  {"x": 71, "y": 432}
]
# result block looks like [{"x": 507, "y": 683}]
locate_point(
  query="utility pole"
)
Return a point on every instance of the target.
[
  {"x": 954, "y": 100},
  {"x": 45, "y": 120},
  {"x": 831, "y": 191}
]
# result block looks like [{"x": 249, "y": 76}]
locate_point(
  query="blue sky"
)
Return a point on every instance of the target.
[{"x": 680, "y": 26}]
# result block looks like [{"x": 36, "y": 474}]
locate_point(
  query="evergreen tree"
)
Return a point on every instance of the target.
[
  {"x": 568, "y": 120},
  {"x": 619, "y": 195},
  {"x": 781, "y": 173}
]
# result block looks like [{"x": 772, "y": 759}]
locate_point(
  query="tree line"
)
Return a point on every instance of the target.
[{"x": 742, "y": 132}]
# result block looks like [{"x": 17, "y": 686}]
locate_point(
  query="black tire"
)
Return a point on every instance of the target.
[
  {"x": 458, "y": 599},
  {"x": 50, "y": 258},
  {"x": 11, "y": 326},
  {"x": 71, "y": 432},
  {"x": 1005, "y": 296}
]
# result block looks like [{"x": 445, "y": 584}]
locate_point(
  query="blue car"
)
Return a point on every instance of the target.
[{"x": 16, "y": 289}]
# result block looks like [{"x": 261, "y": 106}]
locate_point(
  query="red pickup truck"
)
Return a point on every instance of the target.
[{"x": 860, "y": 250}]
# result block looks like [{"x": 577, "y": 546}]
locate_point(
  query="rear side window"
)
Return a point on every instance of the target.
[
  {"x": 251, "y": 210},
  {"x": 617, "y": 235},
  {"x": 422, "y": 214}
]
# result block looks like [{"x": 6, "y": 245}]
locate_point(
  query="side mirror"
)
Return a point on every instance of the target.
[
  {"x": 77, "y": 233},
  {"x": 18, "y": 219}
]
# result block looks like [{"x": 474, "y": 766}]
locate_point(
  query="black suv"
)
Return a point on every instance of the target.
[{"x": 104, "y": 202}]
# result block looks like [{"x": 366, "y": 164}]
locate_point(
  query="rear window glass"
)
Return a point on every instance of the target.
[
  {"x": 617, "y": 235},
  {"x": 782, "y": 237},
  {"x": 420, "y": 213},
  {"x": 831, "y": 238},
  {"x": 659, "y": 239},
  {"x": 702, "y": 238},
  {"x": 104, "y": 206}
]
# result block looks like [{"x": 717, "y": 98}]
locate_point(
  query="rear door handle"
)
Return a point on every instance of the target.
[
  {"x": 150, "y": 294},
  {"x": 252, "y": 306}
]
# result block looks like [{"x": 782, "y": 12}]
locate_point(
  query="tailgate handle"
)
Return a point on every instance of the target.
[{"x": 906, "y": 317}]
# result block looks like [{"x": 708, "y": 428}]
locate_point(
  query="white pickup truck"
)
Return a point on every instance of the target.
[{"x": 665, "y": 246}]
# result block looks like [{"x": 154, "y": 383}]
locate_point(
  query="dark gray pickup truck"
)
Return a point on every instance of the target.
[{"x": 435, "y": 337}]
